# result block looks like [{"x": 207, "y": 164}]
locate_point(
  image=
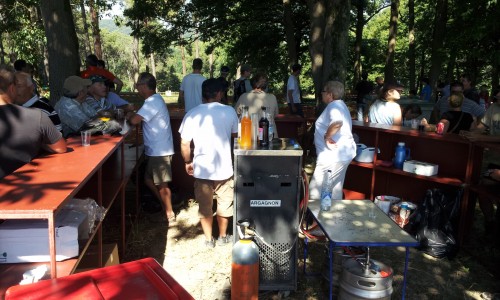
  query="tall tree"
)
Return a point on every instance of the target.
[
  {"x": 289, "y": 32},
  {"x": 438, "y": 53},
  {"x": 328, "y": 51},
  {"x": 391, "y": 45},
  {"x": 86, "y": 40},
  {"x": 62, "y": 44},
  {"x": 94, "y": 21},
  {"x": 411, "y": 44}
]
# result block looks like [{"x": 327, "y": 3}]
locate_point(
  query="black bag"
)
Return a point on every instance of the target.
[
  {"x": 435, "y": 221},
  {"x": 97, "y": 126}
]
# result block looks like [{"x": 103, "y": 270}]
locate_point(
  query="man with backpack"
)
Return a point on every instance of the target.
[{"x": 242, "y": 85}]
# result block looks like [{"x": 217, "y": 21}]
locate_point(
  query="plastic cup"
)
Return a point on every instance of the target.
[
  {"x": 85, "y": 138},
  {"x": 118, "y": 113}
]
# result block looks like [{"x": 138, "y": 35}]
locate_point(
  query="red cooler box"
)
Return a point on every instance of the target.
[{"x": 140, "y": 279}]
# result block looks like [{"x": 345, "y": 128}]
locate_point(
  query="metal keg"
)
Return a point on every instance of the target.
[{"x": 373, "y": 280}]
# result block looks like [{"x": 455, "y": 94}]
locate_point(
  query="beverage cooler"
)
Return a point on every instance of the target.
[{"x": 267, "y": 187}]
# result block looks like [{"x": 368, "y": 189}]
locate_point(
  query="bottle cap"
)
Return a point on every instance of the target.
[{"x": 401, "y": 144}]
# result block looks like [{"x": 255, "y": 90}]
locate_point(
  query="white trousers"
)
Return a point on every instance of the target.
[{"x": 338, "y": 172}]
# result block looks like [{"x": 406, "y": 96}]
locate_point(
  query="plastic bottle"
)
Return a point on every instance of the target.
[
  {"x": 263, "y": 129},
  {"x": 246, "y": 129},
  {"x": 403, "y": 214},
  {"x": 326, "y": 191},
  {"x": 271, "y": 127},
  {"x": 400, "y": 155}
]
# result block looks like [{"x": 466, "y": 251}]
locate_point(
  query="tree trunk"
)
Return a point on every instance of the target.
[
  {"x": 289, "y": 33},
  {"x": 135, "y": 60},
  {"x": 211, "y": 63},
  {"x": 183, "y": 58},
  {"x": 438, "y": 53},
  {"x": 153, "y": 64},
  {"x": 94, "y": 16},
  {"x": 328, "y": 49},
  {"x": 197, "y": 48},
  {"x": 340, "y": 41},
  {"x": 391, "y": 47},
  {"x": 62, "y": 44},
  {"x": 411, "y": 47},
  {"x": 360, "y": 23},
  {"x": 2, "y": 58},
  {"x": 88, "y": 48}
]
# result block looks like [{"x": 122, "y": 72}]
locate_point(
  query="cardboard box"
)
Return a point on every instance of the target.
[
  {"x": 420, "y": 168},
  {"x": 89, "y": 261},
  {"x": 28, "y": 240}
]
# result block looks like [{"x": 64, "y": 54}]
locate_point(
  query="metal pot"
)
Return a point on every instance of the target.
[
  {"x": 365, "y": 154},
  {"x": 359, "y": 282}
]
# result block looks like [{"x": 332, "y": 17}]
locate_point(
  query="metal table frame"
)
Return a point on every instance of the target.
[{"x": 348, "y": 224}]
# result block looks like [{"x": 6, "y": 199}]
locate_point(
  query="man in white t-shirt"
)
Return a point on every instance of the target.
[
  {"x": 211, "y": 126},
  {"x": 190, "y": 92},
  {"x": 293, "y": 91},
  {"x": 158, "y": 143}
]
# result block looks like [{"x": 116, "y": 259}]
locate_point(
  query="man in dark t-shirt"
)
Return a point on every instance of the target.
[{"x": 23, "y": 131}]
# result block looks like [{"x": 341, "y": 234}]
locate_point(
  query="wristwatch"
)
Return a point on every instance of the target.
[{"x": 188, "y": 162}]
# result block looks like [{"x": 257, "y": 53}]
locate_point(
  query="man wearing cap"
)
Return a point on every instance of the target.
[
  {"x": 224, "y": 70},
  {"x": 26, "y": 98},
  {"x": 24, "y": 131},
  {"x": 386, "y": 110},
  {"x": 243, "y": 84},
  {"x": 293, "y": 91},
  {"x": 72, "y": 109},
  {"x": 96, "y": 97},
  {"x": 92, "y": 69},
  {"x": 190, "y": 91}
]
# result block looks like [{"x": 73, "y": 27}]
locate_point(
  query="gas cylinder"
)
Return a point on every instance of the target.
[
  {"x": 245, "y": 264},
  {"x": 245, "y": 271}
]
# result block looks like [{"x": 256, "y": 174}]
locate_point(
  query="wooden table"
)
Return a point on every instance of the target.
[
  {"x": 347, "y": 223},
  {"x": 40, "y": 189}
]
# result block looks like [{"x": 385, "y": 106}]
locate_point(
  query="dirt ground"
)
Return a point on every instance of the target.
[{"x": 206, "y": 273}]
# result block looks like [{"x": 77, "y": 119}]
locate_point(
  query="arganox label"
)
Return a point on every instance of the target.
[{"x": 265, "y": 203}]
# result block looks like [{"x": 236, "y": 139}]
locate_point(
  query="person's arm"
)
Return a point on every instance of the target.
[
  {"x": 446, "y": 125},
  {"x": 331, "y": 131},
  {"x": 474, "y": 124},
  {"x": 397, "y": 117},
  {"x": 180, "y": 100},
  {"x": 57, "y": 147},
  {"x": 119, "y": 85},
  {"x": 186, "y": 155},
  {"x": 290, "y": 99},
  {"x": 134, "y": 118}
]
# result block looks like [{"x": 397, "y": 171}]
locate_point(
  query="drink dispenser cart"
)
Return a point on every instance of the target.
[{"x": 267, "y": 189}]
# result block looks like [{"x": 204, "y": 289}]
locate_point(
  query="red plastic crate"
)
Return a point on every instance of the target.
[{"x": 140, "y": 279}]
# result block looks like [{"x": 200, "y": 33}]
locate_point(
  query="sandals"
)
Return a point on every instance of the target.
[{"x": 171, "y": 220}]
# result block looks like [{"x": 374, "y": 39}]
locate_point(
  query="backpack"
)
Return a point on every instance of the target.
[{"x": 239, "y": 89}]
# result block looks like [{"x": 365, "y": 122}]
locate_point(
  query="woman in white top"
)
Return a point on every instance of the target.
[
  {"x": 334, "y": 142},
  {"x": 386, "y": 110}
]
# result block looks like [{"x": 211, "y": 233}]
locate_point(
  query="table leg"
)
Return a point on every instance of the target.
[
  {"x": 330, "y": 268},
  {"x": 403, "y": 293}
]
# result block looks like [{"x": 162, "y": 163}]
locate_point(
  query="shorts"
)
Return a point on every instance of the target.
[
  {"x": 204, "y": 190},
  {"x": 159, "y": 169}
]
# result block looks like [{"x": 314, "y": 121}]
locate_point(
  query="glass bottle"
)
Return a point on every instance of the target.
[
  {"x": 246, "y": 129},
  {"x": 263, "y": 129}
]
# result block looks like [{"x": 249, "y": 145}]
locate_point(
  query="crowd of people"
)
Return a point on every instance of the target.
[{"x": 211, "y": 123}]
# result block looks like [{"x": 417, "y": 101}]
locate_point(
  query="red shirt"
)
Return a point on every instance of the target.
[{"x": 91, "y": 70}]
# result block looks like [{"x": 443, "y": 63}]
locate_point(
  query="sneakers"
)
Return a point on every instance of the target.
[
  {"x": 210, "y": 244},
  {"x": 224, "y": 240}
]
